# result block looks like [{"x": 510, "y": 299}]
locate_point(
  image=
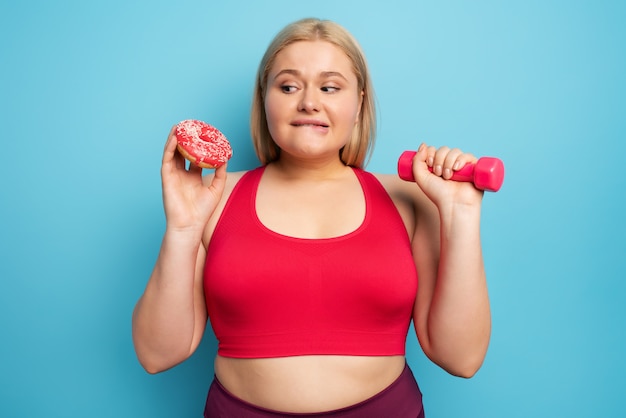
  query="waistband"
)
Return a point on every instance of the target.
[{"x": 401, "y": 399}]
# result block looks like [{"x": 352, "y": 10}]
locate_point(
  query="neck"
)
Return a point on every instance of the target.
[{"x": 321, "y": 169}]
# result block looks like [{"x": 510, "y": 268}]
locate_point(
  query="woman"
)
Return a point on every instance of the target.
[{"x": 308, "y": 266}]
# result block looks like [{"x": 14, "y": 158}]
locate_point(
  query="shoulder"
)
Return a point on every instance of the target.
[
  {"x": 411, "y": 202},
  {"x": 232, "y": 178},
  {"x": 400, "y": 191},
  {"x": 231, "y": 181},
  {"x": 391, "y": 182}
]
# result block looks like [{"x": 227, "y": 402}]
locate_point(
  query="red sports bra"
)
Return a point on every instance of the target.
[{"x": 271, "y": 295}]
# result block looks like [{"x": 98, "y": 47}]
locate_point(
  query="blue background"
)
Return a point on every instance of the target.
[{"x": 90, "y": 89}]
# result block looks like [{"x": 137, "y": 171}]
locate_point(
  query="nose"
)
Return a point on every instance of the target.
[{"x": 309, "y": 101}]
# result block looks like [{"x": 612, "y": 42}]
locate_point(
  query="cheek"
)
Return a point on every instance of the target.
[
  {"x": 274, "y": 108},
  {"x": 275, "y": 118},
  {"x": 270, "y": 113},
  {"x": 350, "y": 113}
]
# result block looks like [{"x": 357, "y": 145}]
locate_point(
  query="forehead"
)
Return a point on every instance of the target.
[{"x": 313, "y": 56}]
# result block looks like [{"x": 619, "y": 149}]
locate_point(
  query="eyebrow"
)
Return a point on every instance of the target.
[{"x": 323, "y": 74}]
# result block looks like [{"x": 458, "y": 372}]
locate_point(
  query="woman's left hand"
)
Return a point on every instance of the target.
[{"x": 436, "y": 183}]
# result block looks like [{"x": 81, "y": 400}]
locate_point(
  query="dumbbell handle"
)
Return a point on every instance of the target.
[{"x": 486, "y": 174}]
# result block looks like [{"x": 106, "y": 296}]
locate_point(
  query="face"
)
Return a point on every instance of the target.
[{"x": 312, "y": 99}]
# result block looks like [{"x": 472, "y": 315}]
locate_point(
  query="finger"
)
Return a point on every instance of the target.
[
  {"x": 419, "y": 164},
  {"x": 170, "y": 146},
  {"x": 439, "y": 159},
  {"x": 462, "y": 160},
  {"x": 219, "y": 178},
  {"x": 220, "y": 172},
  {"x": 421, "y": 155},
  {"x": 169, "y": 137},
  {"x": 451, "y": 161},
  {"x": 173, "y": 154},
  {"x": 195, "y": 169},
  {"x": 430, "y": 155}
]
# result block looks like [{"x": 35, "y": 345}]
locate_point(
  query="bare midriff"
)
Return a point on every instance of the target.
[{"x": 304, "y": 384}]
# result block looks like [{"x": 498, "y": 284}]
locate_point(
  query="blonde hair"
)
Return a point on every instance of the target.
[{"x": 359, "y": 147}]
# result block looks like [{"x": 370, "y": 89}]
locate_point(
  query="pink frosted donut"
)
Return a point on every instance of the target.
[{"x": 202, "y": 144}]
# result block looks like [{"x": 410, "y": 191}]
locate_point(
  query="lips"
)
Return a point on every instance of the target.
[{"x": 310, "y": 122}]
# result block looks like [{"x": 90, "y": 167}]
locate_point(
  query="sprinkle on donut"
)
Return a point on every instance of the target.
[{"x": 202, "y": 144}]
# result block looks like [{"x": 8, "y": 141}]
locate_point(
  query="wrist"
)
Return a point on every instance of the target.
[
  {"x": 456, "y": 208},
  {"x": 458, "y": 218},
  {"x": 186, "y": 237}
]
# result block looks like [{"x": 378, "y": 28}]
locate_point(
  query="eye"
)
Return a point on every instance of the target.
[
  {"x": 288, "y": 89},
  {"x": 330, "y": 89}
]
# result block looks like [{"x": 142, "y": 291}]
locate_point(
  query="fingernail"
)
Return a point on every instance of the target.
[
  {"x": 430, "y": 161},
  {"x": 447, "y": 173},
  {"x": 456, "y": 165}
]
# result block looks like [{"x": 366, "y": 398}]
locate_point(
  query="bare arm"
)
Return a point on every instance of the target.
[
  {"x": 452, "y": 314},
  {"x": 170, "y": 317}
]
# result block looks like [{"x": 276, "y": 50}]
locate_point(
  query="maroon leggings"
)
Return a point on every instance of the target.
[{"x": 401, "y": 399}]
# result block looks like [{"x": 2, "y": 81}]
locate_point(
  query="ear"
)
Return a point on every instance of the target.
[{"x": 358, "y": 112}]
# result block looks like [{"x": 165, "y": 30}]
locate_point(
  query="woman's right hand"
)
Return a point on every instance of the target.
[{"x": 187, "y": 200}]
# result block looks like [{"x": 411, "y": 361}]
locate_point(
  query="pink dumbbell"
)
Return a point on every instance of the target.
[{"x": 486, "y": 174}]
